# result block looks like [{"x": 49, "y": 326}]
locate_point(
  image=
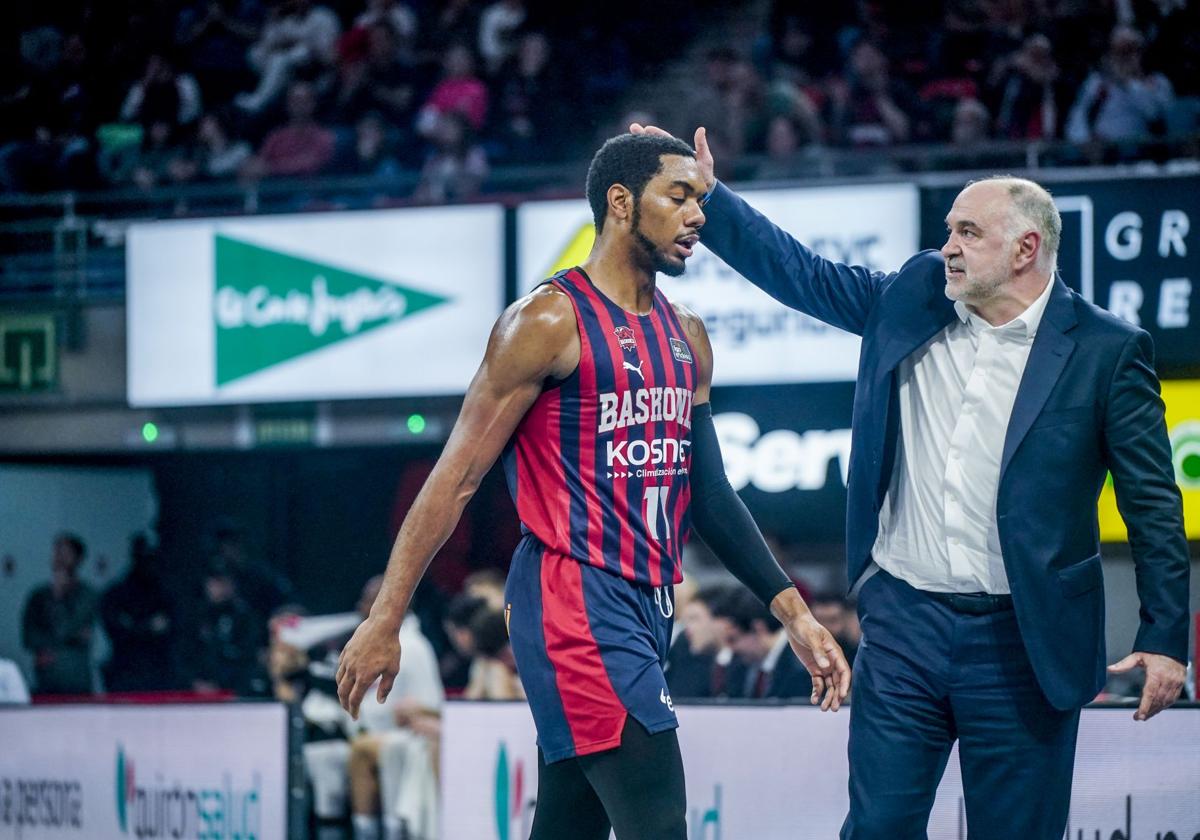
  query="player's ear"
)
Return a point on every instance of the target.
[{"x": 620, "y": 202}]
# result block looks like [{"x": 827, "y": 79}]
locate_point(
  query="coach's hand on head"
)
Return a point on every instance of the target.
[
  {"x": 372, "y": 652},
  {"x": 1164, "y": 680},
  {"x": 704, "y": 156}
]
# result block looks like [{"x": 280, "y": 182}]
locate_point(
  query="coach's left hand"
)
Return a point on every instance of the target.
[{"x": 1164, "y": 680}]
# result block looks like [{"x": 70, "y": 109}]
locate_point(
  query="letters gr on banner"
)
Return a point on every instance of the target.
[
  {"x": 321, "y": 306},
  {"x": 1130, "y": 245},
  {"x": 755, "y": 339}
]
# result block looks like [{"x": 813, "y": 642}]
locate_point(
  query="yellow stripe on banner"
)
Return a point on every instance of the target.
[{"x": 1183, "y": 425}]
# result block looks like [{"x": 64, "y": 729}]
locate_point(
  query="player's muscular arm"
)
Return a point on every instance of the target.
[
  {"x": 721, "y": 519},
  {"x": 535, "y": 339}
]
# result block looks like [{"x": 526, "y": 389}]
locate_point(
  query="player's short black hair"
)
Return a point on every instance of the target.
[
  {"x": 630, "y": 160},
  {"x": 742, "y": 608}
]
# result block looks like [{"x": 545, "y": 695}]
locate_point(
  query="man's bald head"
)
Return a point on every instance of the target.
[{"x": 1030, "y": 207}]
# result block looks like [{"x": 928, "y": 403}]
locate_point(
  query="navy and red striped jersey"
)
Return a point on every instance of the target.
[{"x": 598, "y": 467}]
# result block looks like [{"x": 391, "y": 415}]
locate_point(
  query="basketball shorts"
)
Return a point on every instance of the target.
[{"x": 589, "y": 647}]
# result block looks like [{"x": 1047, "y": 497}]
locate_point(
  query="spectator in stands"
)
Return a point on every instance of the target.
[
  {"x": 460, "y": 92},
  {"x": 397, "y": 16},
  {"x": 1026, "y": 87},
  {"x": 161, "y": 158},
  {"x": 698, "y": 662},
  {"x": 530, "y": 99},
  {"x": 493, "y": 674},
  {"x": 214, "y": 35},
  {"x": 759, "y": 642},
  {"x": 300, "y": 36},
  {"x": 456, "y": 22},
  {"x": 381, "y": 80},
  {"x": 498, "y": 27},
  {"x": 971, "y": 123},
  {"x": 487, "y": 585},
  {"x": 839, "y": 618},
  {"x": 301, "y": 146},
  {"x": 220, "y": 156},
  {"x": 222, "y": 646},
  {"x": 374, "y": 150},
  {"x": 388, "y": 767},
  {"x": 58, "y": 623},
  {"x": 162, "y": 94},
  {"x": 263, "y": 587},
  {"x": 728, "y": 103},
  {"x": 455, "y": 663},
  {"x": 872, "y": 109},
  {"x": 139, "y": 618},
  {"x": 1120, "y": 101}
]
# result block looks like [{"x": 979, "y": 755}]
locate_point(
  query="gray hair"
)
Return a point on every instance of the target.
[{"x": 1032, "y": 207}]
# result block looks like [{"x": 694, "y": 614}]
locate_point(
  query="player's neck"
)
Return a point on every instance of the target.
[{"x": 621, "y": 276}]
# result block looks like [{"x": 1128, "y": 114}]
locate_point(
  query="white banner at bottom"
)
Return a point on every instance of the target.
[
  {"x": 760, "y": 773},
  {"x": 210, "y": 772}
]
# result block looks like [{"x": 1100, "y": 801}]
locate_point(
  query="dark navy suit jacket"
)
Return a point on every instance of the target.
[{"x": 1088, "y": 404}]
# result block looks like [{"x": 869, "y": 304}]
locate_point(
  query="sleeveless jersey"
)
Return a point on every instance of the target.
[{"x": 598, "y": 467}]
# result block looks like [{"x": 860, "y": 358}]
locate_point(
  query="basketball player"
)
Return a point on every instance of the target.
[{"x": 595, "y": 389}]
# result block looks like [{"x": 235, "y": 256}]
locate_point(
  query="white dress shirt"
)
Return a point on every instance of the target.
[{"x": 937, "y": 527}]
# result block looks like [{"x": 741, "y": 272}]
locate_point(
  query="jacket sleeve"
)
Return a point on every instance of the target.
[
  {"x": 772, "y": 259},
  {"x": 1139, "y": 457}
]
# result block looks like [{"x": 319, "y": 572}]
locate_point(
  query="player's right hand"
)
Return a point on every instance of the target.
[
  {"x": 704, "y": 156},
  {"x": 372, "y": 652}
]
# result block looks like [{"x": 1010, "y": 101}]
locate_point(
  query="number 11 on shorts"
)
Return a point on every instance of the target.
[{"x": 654, "y": 507}]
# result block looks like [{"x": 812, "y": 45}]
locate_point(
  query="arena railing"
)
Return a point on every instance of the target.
[{"x": 70, "y": 245}]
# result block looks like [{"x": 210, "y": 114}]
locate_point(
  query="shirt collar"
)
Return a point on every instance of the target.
[
  {"x": 772, "y": 658},
  {"x": 1026, "y": 324}
]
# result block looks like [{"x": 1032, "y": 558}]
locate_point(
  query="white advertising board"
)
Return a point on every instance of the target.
[
  {"x": 321, "y": 306},
  {"x": 780, "y": 772},
  {"x": 99, "y": 772},
  {"x": 755, "y": 339}
]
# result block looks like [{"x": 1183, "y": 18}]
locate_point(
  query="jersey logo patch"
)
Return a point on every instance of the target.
[
  {"x": 626, "y": 338},
  {"x": 637, "y": 370},
  {"x": 680, "y": 350}
]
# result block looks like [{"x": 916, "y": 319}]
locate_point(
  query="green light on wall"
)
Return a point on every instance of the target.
[
  {"x": 416, "y": 423},
  {"x": 149, "y": 432}
]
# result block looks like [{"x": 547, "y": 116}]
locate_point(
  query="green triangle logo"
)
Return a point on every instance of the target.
[{"x": 270, "y": 307}]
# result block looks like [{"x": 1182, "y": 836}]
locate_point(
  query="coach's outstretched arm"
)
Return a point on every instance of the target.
[
  {"x": 772, "y": 259},
  {"x": 536, "y": 338},
  {"x": 721, "y": 519}
]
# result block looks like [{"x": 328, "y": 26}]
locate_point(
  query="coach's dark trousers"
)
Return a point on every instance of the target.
[{"x": 927, "y": 674}]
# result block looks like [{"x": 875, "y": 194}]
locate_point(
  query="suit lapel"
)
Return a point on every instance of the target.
[
  {"x": 914, "y": 322},
  {"x": 1047, "y": 359}
]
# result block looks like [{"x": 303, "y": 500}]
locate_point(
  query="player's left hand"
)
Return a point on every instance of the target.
[
  {"x": 1164, "y": 680},
  {"x": 820, "y": 653}
]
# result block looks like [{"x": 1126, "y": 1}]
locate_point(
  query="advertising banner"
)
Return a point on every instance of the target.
[
  {"x": 755, "y": 340},
  {"x": 787, "y": 452},
  {"x": 1128, "y": 245},
  {"x": 780, "y": 772},
  {"x": 1183, "y": 425},
  {"x": 315, "y": 307},
  {"x": 182, "y": 772}
]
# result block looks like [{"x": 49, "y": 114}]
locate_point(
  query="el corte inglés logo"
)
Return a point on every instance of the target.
[{"x": 270, "y": 307}]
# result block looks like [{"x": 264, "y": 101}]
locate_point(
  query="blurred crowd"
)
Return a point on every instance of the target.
[
  {"x": 1109, "y": 77},
  {"x": 145, "y": 93}
]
